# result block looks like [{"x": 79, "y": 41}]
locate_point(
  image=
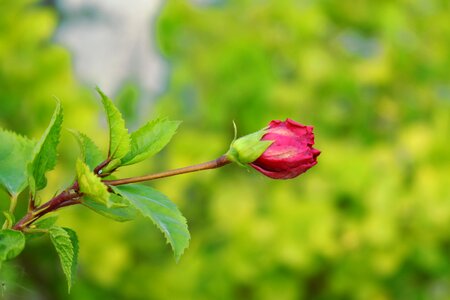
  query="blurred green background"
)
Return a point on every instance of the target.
[{"x": 370, "y": 221}]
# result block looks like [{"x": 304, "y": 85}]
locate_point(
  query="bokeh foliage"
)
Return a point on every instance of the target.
[{"x": 370, "y": 221}]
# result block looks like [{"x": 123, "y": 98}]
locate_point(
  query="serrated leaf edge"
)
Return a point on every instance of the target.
[
  {"x": 56, "y": 117},
  {"x": 124, "y": 141},
  {"x": 161, "y": 228},
  {"x": 69, "y": 234}
]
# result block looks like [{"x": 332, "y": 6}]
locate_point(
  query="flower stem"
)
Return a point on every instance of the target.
[{"x": 213, "y": 164}]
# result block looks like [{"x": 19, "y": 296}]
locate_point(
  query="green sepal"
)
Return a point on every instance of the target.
[{"x": 248, "y": 148}]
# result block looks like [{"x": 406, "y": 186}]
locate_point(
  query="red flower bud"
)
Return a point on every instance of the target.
[{"x": 291, "y": 152}]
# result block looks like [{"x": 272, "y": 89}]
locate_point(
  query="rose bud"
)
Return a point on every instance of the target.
[{"x": 283, "y": 150}]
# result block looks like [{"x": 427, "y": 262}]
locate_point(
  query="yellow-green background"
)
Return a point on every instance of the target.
[{"x": 370, "y": 221}]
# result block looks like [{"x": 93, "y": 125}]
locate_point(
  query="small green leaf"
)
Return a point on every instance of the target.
[
  {"x": 164, "y": 213},
  {"x": 41, "y": 227},
  {"x": 44, "y": 155},
  {"x": 12, "y": 243},
  {"x": 46, "y": 223},
  {"x": 90, "y": 153},
  {"x": 119, "y": 139},
  {"x": 150, "y": 139},
  {"x": 91, "y": 185},
  {"x": 66, "y": 244},
  {"x": 112, "y": 165},
  {"x": 120, "y": 209},
  {"x": 15, "y": 153}
]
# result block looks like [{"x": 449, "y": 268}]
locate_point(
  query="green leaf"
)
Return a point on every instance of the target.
[
  {"x": 119, "y": 139},
  {"x": 90, "y": 153},
  {"x": 150, "y": 139},
  {"x": 66, "y": 244},
  {"x": 120, "y": 209},
  {"x": 45, "y": 223},
  {"x": 41, "y": 227},
  {"x": 15, "y": 153},
  {"x": 91, "y": 185},
  {"x": 12, "y": 243},
  {"x": 44, "y": 155},
  {"x": 38, "y": 228},
  {"x": 164, "y": 213}
]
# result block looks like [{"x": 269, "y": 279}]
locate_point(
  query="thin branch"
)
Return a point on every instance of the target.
[
  {"x": 102, "y": 165},
  {"x": 213, "y": 164},
  {"x": 51, "y": 205}
]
